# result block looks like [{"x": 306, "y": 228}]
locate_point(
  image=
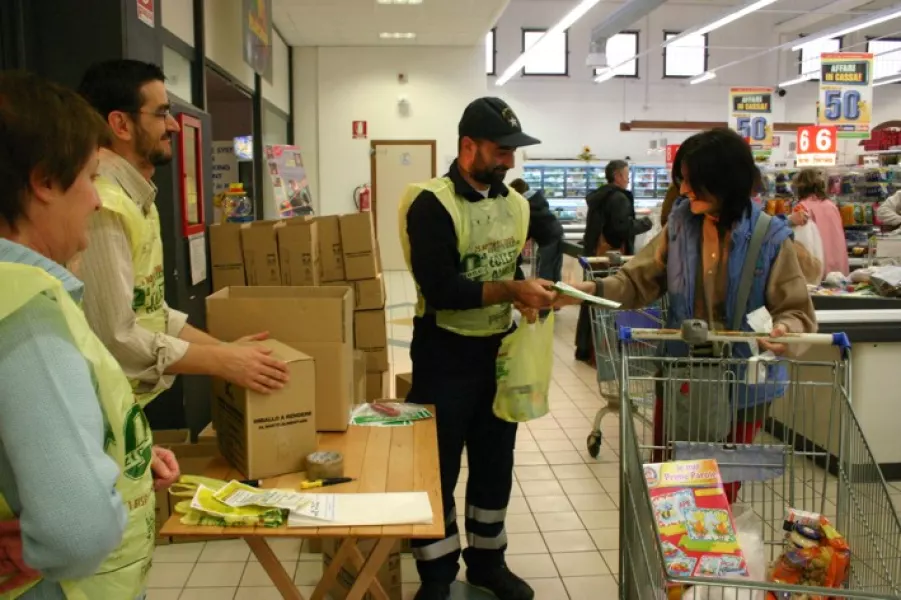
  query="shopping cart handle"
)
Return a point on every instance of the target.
[
  {"x": 839, "y": 340},
  {"x": 583, "y": 262}
]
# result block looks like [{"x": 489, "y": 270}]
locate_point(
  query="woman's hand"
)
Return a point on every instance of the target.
[
  {"x": 777, "y": 349},
  {"x": 586, "y": 287},
  {"x": 799, "y": 218},
  {"x": 12, "y": 564},
  {"x": 165, "y": 468}
]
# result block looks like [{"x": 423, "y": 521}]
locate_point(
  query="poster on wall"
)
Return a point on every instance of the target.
[
  {"x": 289, "y": 181},
  {"x": 258, "y": 36},
  {"x": 225, "y": 171},
  {"x": 751, "y": 115},
  {"x": 146, "y": 13},
  {"x": 846, "y": 93}
]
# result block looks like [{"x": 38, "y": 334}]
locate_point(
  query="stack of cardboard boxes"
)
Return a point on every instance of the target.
[{"x": 332, "y": 251}]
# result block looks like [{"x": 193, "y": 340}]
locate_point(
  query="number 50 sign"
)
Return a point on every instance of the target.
[{"x": 817, "y": 146}]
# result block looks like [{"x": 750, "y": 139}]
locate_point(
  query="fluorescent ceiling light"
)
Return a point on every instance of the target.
[
  {"x": 707, "y": 76},
  {"x": 885, "y": 81},
  {"x": 722, "y": 21},
  {"x": 399, "y": 1},
  {"x": 801, "y": 79},
  {"x": 397, "y": 36},
  {"x": 855, "y": 25},
  {"x": 605, "y": 75},
  {"x": 565, "y": 23}
]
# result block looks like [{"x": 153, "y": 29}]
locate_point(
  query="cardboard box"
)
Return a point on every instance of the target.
[
  {"x": 361, "y": 259},
  {"x": 377, "y": 386},
  {"x": 370, "y": 330},
  {"x": 260, "y": 248},
  {"x": 315, "y": 321},
  {"x": 359, "y": 377},
  {"x": 389, "y": 575},
  {"x": 330, "y": 253},
  {"x": 226, "y": 257},
  {"x": 376, "y": 360},
  {"x": 403, "y": 383},
  {"x": 298, "y": 252},
  {"x": 207, "y": 435},
  {"x": 267, "y": 435},
  {"x": 369, "y": 294}
]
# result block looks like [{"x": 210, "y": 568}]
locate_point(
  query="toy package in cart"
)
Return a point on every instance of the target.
[{"x": 694, "y": 520}]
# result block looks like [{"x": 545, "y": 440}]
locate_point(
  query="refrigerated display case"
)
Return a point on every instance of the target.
[{"x": 649, "y": 184}]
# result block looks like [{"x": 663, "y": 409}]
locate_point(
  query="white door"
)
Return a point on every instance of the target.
[{"x": 394, "y": 166}]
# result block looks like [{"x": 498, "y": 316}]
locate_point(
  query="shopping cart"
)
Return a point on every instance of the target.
[
  {"x": 605, "y": 323},
  {"x": 810, "y": 455}
]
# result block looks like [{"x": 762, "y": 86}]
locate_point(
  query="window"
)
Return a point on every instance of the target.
[
  {"x": 491, "y": 52},
  {"x": 686, "y": 57},
  {"x": 552, "y": 58},
  {"x": 621, "y": 47},
  {"x": 886, "y": 57},
  {"x": 809, "y": 62}
]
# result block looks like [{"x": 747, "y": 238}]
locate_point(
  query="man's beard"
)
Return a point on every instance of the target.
[
  {"x": 151, "y": 152},
  {"x": 489, "y": 176}
]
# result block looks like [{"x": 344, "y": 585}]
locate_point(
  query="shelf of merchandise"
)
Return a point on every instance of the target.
[
  {"x": 856, "y": 190},
  {"x": 649, "y": 185}
]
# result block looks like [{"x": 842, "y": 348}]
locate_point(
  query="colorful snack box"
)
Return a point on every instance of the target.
[{"x": 693, "y": 519}]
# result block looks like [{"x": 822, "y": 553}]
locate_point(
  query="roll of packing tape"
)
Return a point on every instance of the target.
[{"x": 322, "y": 465}]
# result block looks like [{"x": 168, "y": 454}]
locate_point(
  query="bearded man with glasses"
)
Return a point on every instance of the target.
[{"x": 122, "y": 269}]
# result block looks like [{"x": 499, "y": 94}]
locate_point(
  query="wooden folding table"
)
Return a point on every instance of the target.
[{"x": 380, "y": 459}]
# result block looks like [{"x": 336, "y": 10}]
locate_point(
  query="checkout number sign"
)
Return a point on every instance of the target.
[{"x": 817, "y": 146}]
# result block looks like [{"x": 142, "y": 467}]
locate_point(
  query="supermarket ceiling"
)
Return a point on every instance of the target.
[{"x": 360, "y": 22}]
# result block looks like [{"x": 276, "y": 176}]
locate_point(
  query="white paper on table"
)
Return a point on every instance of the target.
[{"x": 352, "y": 510}]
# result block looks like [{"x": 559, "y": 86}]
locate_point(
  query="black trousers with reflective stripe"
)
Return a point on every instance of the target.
[{"x": 458, "y": 377}]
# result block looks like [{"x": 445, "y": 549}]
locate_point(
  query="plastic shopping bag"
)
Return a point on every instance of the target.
[
  {"x": 523, "y": 371},
  {"x": 809, "y": 236}
]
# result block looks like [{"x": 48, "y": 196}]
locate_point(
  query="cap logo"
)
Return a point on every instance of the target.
[{"x": 508, "y": 115}]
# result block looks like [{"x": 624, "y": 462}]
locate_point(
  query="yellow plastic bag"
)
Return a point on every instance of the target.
[{"x": 523, "y": 371}]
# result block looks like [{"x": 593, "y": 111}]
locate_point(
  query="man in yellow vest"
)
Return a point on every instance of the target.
[
  {"x": 462, "y": 236},
  {"x": 123, "y": 267}
]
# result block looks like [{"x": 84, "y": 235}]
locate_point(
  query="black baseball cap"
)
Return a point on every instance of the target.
[{"x": 492, "y": 119}]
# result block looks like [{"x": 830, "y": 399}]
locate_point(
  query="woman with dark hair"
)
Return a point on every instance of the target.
[{"x": 697, "y": 262}]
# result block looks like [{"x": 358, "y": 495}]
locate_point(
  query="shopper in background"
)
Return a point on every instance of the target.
[
  {"x": 76, "y": 463},
  {"x": 889, "y": 212},
  {"x": 611, "y": 222},
  {"x": 123, "y": 267},
  {"x": 611, "y": 225},
  {"x": 698, "y": 260},
  {"x": 815, "y": 206},
  {"x": 545, "y": 229},
  {"x": 462, "y": 235}
]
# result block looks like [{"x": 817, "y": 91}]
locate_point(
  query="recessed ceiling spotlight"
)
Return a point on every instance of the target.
[{"x": 397, "y": 36}]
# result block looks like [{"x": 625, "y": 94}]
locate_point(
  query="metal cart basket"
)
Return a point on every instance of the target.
[
  {"x": 605, "y": 324},
  {"x": 808, "y": 454}
]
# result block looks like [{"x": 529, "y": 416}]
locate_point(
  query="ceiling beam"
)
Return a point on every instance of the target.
[{"x": 809, "y": 19}]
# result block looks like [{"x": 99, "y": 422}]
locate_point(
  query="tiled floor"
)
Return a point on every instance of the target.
[{"x": 562, "y": 520}]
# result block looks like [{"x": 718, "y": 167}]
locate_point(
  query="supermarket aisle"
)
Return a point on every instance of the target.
[{"x": 562, "y": 523}]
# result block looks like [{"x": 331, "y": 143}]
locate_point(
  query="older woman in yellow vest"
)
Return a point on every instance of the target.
[{"x": 77, "y": 466}]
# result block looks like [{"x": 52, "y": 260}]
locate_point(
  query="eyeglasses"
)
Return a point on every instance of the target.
[{"x": 164, "y": 113}]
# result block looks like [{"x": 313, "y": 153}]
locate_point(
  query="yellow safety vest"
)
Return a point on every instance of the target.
[
  {"x": 123, "y": 575},
  {"x": 143, "y": 233},
  {"x": 491, "y": 235}
]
